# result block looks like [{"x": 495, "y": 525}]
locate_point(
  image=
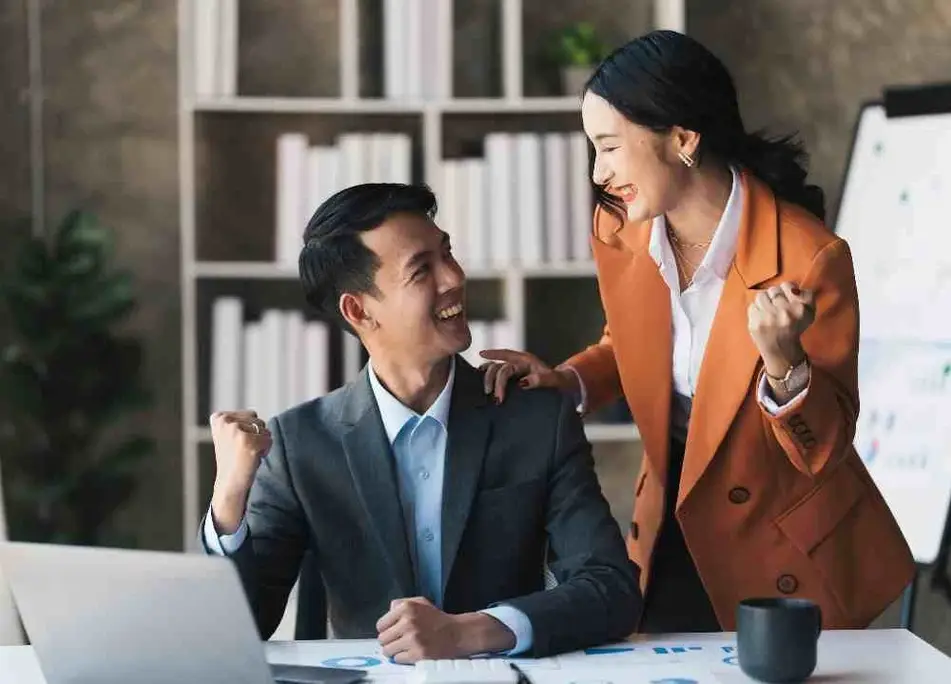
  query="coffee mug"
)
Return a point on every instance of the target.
[{"x": 777, "y": 638}]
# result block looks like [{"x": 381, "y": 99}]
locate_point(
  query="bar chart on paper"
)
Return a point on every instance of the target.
[
  {"x": 646, "y": 662},
  {"x": 893, "y": 215}
]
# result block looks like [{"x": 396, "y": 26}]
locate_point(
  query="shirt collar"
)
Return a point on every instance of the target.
[
  {"x": 395, "y": 414},
  {"x": 723, "y": 246}
]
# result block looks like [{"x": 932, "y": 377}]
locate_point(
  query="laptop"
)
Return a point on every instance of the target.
[{"x": 110, "y": 616}]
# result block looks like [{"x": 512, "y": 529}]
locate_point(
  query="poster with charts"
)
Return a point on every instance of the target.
[{"x": 895, "y": 213}]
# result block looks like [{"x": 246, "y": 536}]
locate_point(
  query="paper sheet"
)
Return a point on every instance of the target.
[{"x": 641, "y": 662}]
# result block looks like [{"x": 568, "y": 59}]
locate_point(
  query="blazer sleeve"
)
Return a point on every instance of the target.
[
  {"x": 269, "y": 560},
  {"x": 598, "y": 597},
  {"x": 597, "y": 370},
  {"x": 818, "y": 427}
]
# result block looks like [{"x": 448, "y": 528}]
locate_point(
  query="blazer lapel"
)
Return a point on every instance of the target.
[
  {"x": 468, "y": 437},
  {"x": 374, "y": 474},
  {"x": 650, "y": 318},
  {"x": 730, "y": 359}
]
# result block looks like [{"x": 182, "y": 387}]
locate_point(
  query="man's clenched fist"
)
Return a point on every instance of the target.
[{"x": 241, "y": 439}]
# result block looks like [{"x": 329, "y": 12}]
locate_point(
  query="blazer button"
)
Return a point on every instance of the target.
[
  {"x": 634, "y": 530},
  {"x": 787, "y": 584},
  {"x": 739, "y": 495}
]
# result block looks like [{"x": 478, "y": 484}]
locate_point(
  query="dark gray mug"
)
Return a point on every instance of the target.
[{"x": 777, "y": 638}]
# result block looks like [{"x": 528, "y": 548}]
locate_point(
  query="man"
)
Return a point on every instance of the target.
[{"x": 427, "y": 507}]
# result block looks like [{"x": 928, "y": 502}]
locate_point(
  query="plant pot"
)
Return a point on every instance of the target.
[{"x": 574, "y": 77}]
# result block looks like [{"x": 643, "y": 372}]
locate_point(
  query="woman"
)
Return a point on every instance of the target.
[{"x": 732, "y": 333}]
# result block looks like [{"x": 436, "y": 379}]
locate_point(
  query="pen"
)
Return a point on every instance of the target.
[{"x": 522, "y": 677}]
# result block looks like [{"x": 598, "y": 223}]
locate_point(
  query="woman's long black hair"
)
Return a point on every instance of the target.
[{"x": 665, "y": 79}]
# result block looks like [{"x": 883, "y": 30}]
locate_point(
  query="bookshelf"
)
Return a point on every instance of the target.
[{"x": 227, "y": 151}]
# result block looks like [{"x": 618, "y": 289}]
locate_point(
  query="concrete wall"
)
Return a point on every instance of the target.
[{"x": 110, "y": 127}]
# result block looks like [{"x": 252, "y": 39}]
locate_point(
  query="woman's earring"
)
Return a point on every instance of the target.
[{"x": 686, "y": 159}]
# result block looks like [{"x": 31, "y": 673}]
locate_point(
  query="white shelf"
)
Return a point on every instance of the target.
[
  {"x": 526, "y": 105},
  {"x": 580, "y": 269},
  {"x": 612, "y": 432},
  {"x": 596, "y": 432},
  {"x": 306, "y": 105},
  {"x": 251, "y": 270},
  {"x": 263, "y": 270}
]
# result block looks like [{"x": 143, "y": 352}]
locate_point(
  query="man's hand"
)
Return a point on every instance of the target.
[
  {"x": 240, "y": 439},
  {"x": 415, "y": 629}
]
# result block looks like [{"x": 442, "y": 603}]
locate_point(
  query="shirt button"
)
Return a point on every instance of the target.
[
  {"x": 424, "y": 474},
  {"x": 428, "y": 535}
]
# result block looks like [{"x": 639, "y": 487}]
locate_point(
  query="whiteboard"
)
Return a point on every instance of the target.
[{"x": 895, "y": 214}]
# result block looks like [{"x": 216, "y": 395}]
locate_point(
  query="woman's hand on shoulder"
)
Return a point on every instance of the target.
[{"x": 505, "y": 364}]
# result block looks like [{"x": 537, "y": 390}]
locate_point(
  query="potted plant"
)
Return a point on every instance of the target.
[
  {"x": 69, "y": 377},
  {"x": 578, "y": 51}
]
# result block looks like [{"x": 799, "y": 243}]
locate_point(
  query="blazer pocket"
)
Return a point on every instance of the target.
[
  {"x": 814, "y": 517},
  {"x": 506, "y": 493}
]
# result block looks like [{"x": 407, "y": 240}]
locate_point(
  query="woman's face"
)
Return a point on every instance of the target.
[{"x": 634, "y": 163}]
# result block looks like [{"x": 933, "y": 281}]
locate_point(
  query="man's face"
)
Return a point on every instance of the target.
[{"x": 420, "y": 307}]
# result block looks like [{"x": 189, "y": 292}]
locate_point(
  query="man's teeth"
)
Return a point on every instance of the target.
[{"x": 449, "y": 312}]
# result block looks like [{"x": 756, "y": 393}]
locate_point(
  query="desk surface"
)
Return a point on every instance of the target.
[{"x": 893, "y": 656}]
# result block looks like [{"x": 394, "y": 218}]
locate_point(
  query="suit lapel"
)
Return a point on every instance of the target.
[
  {"x": 468, "y": 437},
  {"x": 374, "y": 474},
  {"x": 731, "y": 357}
]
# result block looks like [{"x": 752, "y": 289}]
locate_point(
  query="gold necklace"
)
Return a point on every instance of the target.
[
  {"x": 680, "y": 258},
  {"x": 688, "y": 245}
]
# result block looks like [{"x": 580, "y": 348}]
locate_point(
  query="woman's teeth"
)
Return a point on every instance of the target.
[{"x": 449, "y": 312}]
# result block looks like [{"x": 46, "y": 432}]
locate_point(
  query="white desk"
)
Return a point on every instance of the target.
[{"x": 879, "y": 656}]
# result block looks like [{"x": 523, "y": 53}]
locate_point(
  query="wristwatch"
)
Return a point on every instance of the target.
[{"x": 796, "y": 378}]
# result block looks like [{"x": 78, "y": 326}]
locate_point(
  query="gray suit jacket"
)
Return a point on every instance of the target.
[{"x": 519, "y": 479}]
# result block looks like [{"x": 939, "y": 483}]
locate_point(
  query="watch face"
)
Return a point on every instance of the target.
[{"x": 798, "y": 376}]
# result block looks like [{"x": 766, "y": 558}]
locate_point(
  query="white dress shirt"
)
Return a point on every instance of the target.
[
  {"x": 419, "y": 449},
  {"x": 693, "y": 310}
]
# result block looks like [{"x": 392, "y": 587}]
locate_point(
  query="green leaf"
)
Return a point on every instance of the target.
[
  {"x": 579, "y": 45},
  {"x": 103, "y": 302},
  {"x": 81, "y": 232},
  {"x": 21, "y": 384}
]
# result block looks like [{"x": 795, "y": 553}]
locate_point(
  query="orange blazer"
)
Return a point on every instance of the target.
[{"x": 769, "y": 505}]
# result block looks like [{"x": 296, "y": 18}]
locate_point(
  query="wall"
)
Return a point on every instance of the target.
[
  {"x": 109, "y": 69},
  {"x": 807, "y": 65}
]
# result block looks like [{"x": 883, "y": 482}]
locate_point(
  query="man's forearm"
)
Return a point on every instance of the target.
[
  {"x": 227, "y": 509},
  {"x": 481, "y": 633}
]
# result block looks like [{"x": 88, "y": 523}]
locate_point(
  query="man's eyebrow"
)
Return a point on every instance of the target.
[
  {"x": 424, "y": 254},
  {"x": 414, "y": 260}
]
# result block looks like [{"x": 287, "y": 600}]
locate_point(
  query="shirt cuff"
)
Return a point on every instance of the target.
[
  {"x": 582, "y": 400},
  {"x": 517, "y": 623},
  {"x": 769, "y": 403},
  {"x": 226, "y": 544}
]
